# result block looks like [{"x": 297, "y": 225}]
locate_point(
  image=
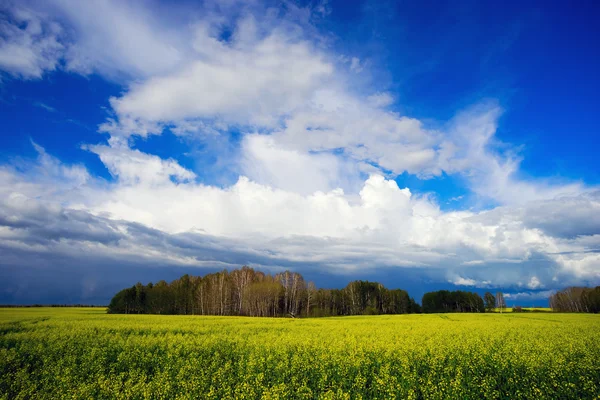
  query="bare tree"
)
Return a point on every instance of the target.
[{"x": 500, "y": 303}]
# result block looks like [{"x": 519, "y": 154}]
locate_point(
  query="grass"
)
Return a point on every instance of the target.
[{"x": 84, "y": 353}]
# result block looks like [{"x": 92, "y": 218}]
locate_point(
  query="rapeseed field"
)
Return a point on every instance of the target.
[{"x": 87, "y": 354}]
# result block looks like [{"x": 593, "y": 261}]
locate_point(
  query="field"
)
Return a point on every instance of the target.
[
  {"x": 85, "y": 353},
  {"x": 525, "y": 309}
]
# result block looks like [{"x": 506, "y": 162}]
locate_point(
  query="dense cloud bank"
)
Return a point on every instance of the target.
[{"x": 191, "y": 225}]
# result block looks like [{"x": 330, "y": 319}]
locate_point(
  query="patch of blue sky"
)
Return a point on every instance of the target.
[
  {"x": 527, "y": 58},
  {"x": 448, "y": 191},
  {"x": 78, "y": 107}
]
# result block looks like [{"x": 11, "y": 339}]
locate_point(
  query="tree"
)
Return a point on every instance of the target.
[
  {"x": 490, "y": 301},
  {"x": 241, "y": 279},
  {"x": 576, "y": 299},
  {"x": 140, "y": 298},
  {"x": 500, "y": 303},
  {"x": 311, "y": 290}
]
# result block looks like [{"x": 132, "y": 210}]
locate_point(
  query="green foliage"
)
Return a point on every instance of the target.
[
  {"x": 444, "y": 301},
  {"x": 370, "y": 311},
  {"x": 87, "y": 354},
  {"x": 252, "y": 293},
  {"x": 489, "y": 301},
  {"x": 576, "y": 299}
]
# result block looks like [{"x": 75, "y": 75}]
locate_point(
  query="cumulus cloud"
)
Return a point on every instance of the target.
[
  {"x": 269, "y": 163},
  {"x": 384, "y": 226},
  {"x": 534, "y": 283},
  {"x": 366, "y": 133},
  {"x": 460, "y": 281},
  {"x": 131, "y": 166}
]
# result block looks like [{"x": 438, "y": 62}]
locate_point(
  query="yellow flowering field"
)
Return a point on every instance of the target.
[{"x": 84, "y": 353}]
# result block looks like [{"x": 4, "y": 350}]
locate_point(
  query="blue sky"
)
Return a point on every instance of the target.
[{"x": 424, "y": 145}]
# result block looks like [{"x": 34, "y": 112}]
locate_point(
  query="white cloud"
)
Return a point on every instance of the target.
[
  {"x": 470, "y": 149},
  {"x": 338, "y": 120},
  {"x": 534, "y": 283},
  {"x": 29, "y": 42},
  {"x": 382, "y": 99},
  {"x": 244, "y": 81},
  {"x": 460, "y": 281},
  {"x": 266, "y": 162},
  {"x": 384, "y": 226},
  {"x": 134, "y": 167},
  {"x": 355, "y": 65},
  {"x": 117, "y": 37}
]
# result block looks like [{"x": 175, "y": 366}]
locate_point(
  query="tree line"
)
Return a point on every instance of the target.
[
  {"x": 250, "y": 292},
  {"x": 576, "y": 299}
]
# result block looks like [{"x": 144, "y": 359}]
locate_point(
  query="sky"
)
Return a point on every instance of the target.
[{"x": 425, "y": 145}]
